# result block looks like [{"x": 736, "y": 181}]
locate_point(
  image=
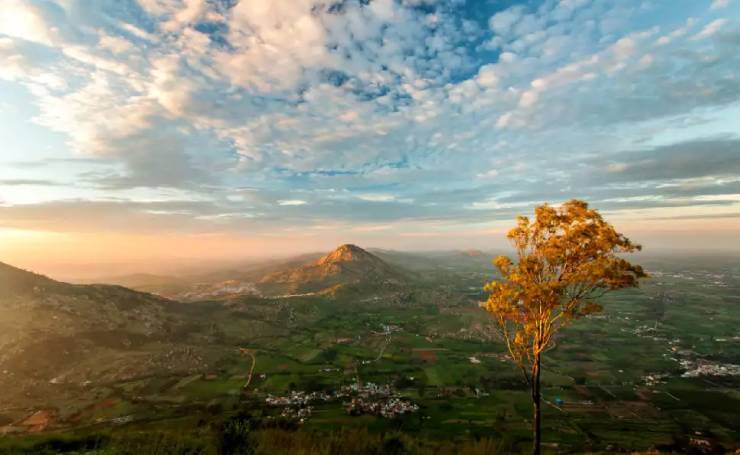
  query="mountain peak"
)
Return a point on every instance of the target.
[
  {"x": 347, "y": 253},
  {"x": 348, "y": 264}
]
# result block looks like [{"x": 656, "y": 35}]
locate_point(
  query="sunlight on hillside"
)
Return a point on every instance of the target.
[{"x": 256, "y": 227}]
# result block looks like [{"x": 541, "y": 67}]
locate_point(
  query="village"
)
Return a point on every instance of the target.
[{"x": 369, "y": 398}]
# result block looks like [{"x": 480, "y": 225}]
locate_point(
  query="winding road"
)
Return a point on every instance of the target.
[{"x": 250, "y": 353}]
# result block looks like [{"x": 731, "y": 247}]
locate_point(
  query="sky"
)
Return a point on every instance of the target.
[{"x": 143, "y": 131}]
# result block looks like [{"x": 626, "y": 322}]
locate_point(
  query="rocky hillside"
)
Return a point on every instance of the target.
[
  {"x": 17, "y": 282},
  {"x": 347, "y": 265},
  {"x": 54, "y": 333}
]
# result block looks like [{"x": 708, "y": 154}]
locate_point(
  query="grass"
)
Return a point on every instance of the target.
[{"x": 597, "y": 370}]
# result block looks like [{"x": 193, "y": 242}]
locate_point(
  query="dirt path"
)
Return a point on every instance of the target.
[
  {"x": 250, "y": 353},
  {"x": 388, "y": 340}
]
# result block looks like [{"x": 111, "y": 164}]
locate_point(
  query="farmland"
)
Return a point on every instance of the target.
[{"x": 654, "y": 370}]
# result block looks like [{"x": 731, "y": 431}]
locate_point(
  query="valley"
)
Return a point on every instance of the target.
[{"x": 376, "y": 340}]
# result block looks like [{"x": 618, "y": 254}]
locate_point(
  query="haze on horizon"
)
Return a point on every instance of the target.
[{"x": 157, "y": 131}]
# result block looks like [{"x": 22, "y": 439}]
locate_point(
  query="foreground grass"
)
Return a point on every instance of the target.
[{"x": 241, "y": 435}]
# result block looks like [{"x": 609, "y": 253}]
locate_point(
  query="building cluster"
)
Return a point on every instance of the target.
[
  {"x": 368, "y": 398},
  {"x": 390, "y": 328},
  {"x": 388, "y": 407},
  {"x": 300, "y": 398},
  {"x": 694, "y": 366},
  {"x": 694, "y": 369},
  {"x": 655, "y": 378},
  {"x": 367, "y": 390},
  {"x": 298, "y": 414},
  {"x": 689, "y": 361}
]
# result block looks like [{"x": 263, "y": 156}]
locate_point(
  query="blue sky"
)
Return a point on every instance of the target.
[{"x": 419, "y": 123}]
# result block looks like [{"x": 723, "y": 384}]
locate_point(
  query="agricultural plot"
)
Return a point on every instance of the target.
[{"x": 644, "y": 373}]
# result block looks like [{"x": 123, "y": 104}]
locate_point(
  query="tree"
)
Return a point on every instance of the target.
[{"x": 567, "y": 259}]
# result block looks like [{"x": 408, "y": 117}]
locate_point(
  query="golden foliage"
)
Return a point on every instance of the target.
[{"x": 567, "y": 258}]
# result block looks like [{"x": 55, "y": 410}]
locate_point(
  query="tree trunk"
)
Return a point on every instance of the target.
[{"x": 536, "y": 424}]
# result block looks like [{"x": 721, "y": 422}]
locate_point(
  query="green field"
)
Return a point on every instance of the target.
[{"x": 599, "y": 373}]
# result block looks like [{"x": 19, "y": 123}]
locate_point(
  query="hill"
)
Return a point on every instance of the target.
[
  {"x": 15, "y": 281},
  {"x": 102, "y": 367},
  {"x": 54, "y": 333},
  {"x": 347, "y": 265},
  {"x": 207, "y": 283},
  {"x": 167, "y": 286}
]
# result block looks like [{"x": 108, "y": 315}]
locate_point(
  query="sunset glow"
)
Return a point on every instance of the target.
[{"x": 166, "y": 131}]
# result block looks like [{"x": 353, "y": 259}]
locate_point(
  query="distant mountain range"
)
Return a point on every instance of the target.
[{"x": 348, "y": 266}]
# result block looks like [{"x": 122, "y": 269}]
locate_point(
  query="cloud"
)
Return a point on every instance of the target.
[
  {"x": 683, "y": 160},
  {"x": 38, "y": 22},
  {"x": 710, "y": 29},
  {"x": 377, "y": 197},
  {"x": 115, "y": 44},
  {"x": 290, "y": 202},
  {"x": 28, "y": 182},
  {"x": 501, "y": 23},
  {"x": 101, "y": 216},
  {"x": 382, "y": 110}
]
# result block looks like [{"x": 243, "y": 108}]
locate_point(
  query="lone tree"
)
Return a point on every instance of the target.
[{"x": 567, "y": 258}]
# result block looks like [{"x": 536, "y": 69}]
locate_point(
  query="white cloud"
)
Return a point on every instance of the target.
[
  {"x": 502, "y": 22},
  {"x": 16, "y": 65},
  {"x": 361, "y": 104},
  {"x": 487, "y": 77},
  {"x": 377, "y": 197},
  {"x": 489, "y": 174},
  {"x": 677, "y": 33},
  {"x": 504, "y": 120},
  {"x": 291, "y": 202},
  {"x": 159, "y": 7},
  {"x": 274, "y": 41},
  {"x": 168, "y": 87},
  {"x": 187, "y": 14},
  {"x": 115, "y": 44},
  {"x": 710, "y": 29},
  {"x": 21, "y": 19}
]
